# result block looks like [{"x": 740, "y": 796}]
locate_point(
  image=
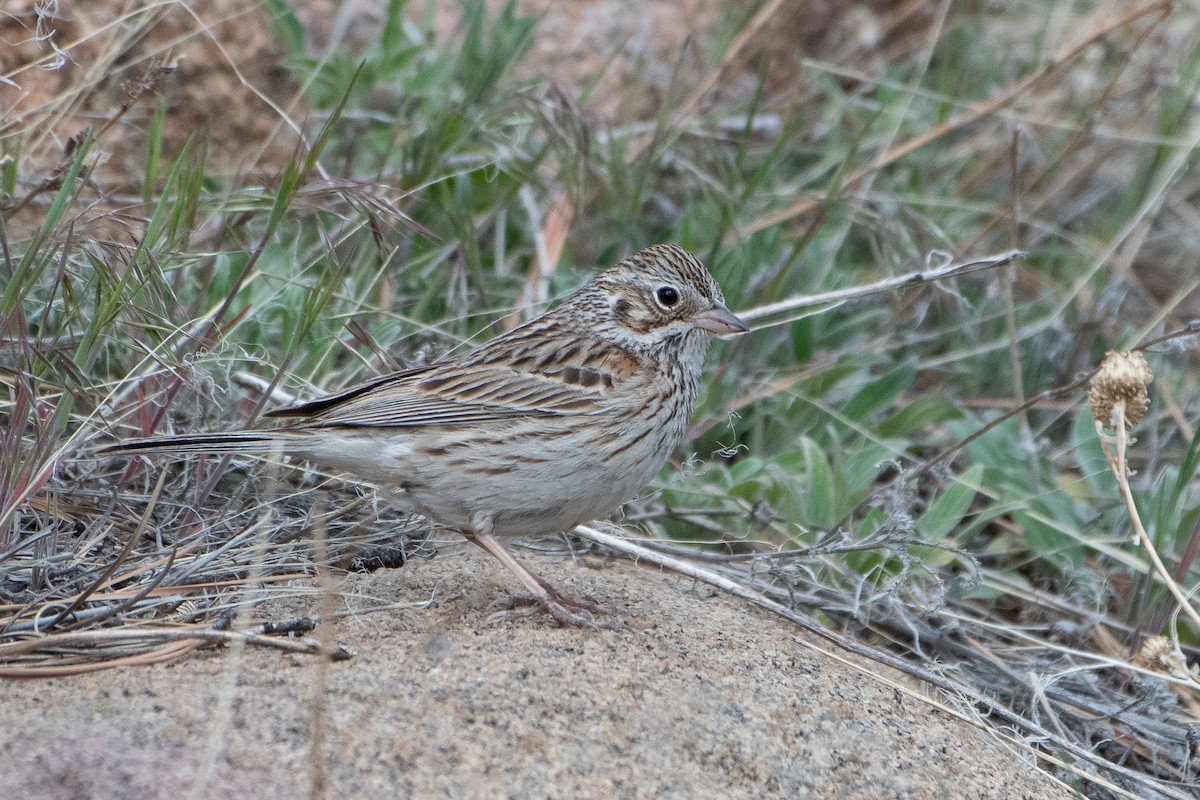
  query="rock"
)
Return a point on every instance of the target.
[{"x": 703, "y": 697}]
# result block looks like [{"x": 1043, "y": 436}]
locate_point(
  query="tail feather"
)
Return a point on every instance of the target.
[{"x": 234, "y": 442}]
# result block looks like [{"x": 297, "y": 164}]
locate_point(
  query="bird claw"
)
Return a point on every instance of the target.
[
  {"x": 568, "y": 611},
  {"x": 545, "y": 598}
]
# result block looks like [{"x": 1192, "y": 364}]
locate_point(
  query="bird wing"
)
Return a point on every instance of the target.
[{"x": 478, "y": 389}]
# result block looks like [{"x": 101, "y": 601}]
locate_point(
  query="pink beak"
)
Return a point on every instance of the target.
[{"x": 719, "y": 320}]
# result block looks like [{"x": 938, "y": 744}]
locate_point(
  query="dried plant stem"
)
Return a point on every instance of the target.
[
  {"x": 318, "y": 725},
  {"x": 950, "y": 269},
  {"x": 1119, "y": 467},
  {"x": 1060, "y": 59},
  {"x": 981, "y": 702},
  {"x": 174, "y": 642},
  {"x": 708, "y": 82}
]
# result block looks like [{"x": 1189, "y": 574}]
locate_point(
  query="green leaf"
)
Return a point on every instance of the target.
[
  {"x": 1089, "y": 456},
  {"x": 921, "y": 412},
  {"x": 68, "y": 189},
  {"x": 948, "y": 510},
  {"x": 288, "y": 26},
  {"x": 154, "y": 137},
  {"x": 860, "y": 466},
  {"x": 821, "y": 507},
  {"x": 879, "y": 393},
  {"x": 1048, "y": 539}
]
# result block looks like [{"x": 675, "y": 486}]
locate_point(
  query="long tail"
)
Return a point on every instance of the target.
[{"x": 234, "y": 442}]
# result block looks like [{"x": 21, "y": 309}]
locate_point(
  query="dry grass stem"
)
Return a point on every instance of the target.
[
  {"x": 1060, "y": 60},
  {"x": 825, "y": 300},
  {"x": 1119, "y": 465},
  {"x": 1111, "y": 776}
]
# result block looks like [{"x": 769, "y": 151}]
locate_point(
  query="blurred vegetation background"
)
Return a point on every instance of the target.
[{"x": 203, "y": 207}]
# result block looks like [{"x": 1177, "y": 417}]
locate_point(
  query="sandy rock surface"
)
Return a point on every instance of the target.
[{"x": 703, "y": 697}]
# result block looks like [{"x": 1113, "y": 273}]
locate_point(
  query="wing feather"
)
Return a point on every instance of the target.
[{"x": 478, "y": 389}]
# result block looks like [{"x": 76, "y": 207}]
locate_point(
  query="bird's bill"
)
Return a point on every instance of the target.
[{"x": 719, "y": 320}]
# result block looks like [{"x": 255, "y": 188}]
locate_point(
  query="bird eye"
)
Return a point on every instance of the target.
[{"x": 667, "y": 296}]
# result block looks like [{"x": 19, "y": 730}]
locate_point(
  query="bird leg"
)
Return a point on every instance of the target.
[{"x": 546, "y": 599}]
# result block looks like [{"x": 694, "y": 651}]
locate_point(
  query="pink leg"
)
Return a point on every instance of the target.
[{"x": 546, "y": 599}]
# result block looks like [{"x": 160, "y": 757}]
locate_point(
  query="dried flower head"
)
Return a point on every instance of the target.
[
  {"x": 1121, "y": 379},
  {"x": 1160, "y": 654}
]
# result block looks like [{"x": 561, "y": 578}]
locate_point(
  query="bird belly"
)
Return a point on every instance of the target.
[
  {"x": 550, "y": 481},
  {"x": 531, "y": 476}
]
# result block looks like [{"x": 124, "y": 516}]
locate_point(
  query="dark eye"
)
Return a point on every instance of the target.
[{"x": 667, "y": 296}]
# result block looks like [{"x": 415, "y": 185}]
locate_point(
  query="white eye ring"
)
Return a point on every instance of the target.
[{"x": 666, "y": 296}]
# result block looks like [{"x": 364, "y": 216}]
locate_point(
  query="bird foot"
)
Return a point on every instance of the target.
[
  {"x": 546, "y": 599},
  {"x": 569, "y": 611}
]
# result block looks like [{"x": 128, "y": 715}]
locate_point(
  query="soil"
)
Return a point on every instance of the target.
[{"x": 703, "y": 696}]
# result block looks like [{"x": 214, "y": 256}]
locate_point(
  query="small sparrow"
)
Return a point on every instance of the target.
[{"x": 552, "y": 424}]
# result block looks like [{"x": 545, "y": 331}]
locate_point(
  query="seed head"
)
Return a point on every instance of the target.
[
  {"x": 1122, "y": 378},
  {"x": 1160, "y": 654}
]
